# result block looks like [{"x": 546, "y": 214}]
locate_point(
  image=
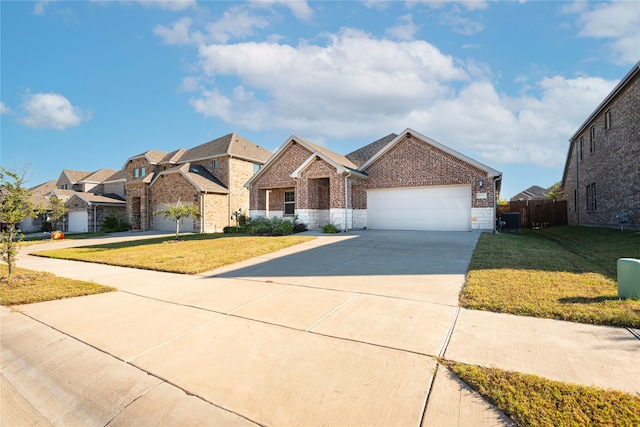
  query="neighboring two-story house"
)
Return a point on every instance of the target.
[
  {"x": 211, "y": 176},
  {"x": 601, "y": 179}
]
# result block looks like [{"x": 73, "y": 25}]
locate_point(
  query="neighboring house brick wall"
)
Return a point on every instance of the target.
[
  {"x": 278, "y": 176},
  {"x": 114, "y": 188},
  {"x": 413, "y": 163},
  {"x": 216, "y": 212},
  {"x": 612, "y": 164},
  {"x": 168, "y": 190},
  {"x": 240, "y": 171},
  {"x": 138, "y": 206}
]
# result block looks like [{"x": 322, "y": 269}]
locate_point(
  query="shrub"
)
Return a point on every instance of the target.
[
  {"x": 330, "y": 228},
  {"x": 47, "y": 227},
  {"x": 299, "y": 227},
  {"x": 111, "y": 223},
  {"x": 235, "y": 230},
  {"x": 261, "y": 226}
]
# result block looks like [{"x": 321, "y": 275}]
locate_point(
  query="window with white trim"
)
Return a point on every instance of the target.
[
  {"x": 581, "y": 146},
  {"x": 592, "y": 139},
  {"x": 289, "y": 202}
]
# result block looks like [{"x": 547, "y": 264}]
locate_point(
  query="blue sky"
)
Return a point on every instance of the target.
[{"x": 87, "y": 84}]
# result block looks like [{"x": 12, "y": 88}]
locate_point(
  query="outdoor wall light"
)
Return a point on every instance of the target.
[{"x": 481, "y": 183}]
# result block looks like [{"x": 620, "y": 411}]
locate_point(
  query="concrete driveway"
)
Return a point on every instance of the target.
[{"x": 342, "y": 330}]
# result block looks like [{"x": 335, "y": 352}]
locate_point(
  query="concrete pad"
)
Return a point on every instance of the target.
[
  {"x": 279, "y": 376},
  {"x": 452, "y": 403},
  {"x": 121, "y": 324},
  {"x": 601, "y": 356},
  {"x": 294, "y": 307},
  {"x": 167, "y": 405},
  {"x": 405, "y": 325},
  {"x": 435, "y": 288},
  {"x": 66, "y": 382},
  {"x": 220, "y": 295},
  {"x": 281, "y": 270}
]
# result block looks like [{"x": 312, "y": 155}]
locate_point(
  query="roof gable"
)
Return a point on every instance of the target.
[
  {"x": 409, "y": 132},
  {"x": 202, "y": 180},
  {"x": 361, "y": 155},
  {"x": 228, "y": 145}
]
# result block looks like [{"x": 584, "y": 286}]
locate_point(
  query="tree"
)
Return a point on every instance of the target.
[
  {"x": 178, "y": 212},
  {"x": 15, "y": 206},
  {"x": 553, "y": 192},
  {"x": 57, "y": 209}
]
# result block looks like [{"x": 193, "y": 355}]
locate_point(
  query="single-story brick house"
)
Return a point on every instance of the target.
[
  {"x": 210, "y": 176},
  {"x": 601, "y": 179},
  {"x": 404, "y": 182}
]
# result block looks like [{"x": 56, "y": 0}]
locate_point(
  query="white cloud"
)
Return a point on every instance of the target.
[
  {"x": 235, "y": 23},
  {"x": 179, "y": 33},
  {"x": 437, "y": 4},
  {"x": 356, "y": 86},
  {"x": 460, "y": 24},
  {"x": 50, "y": 111},
  {"x": 405, "y": 29},
  {"x": 300, "y": 8},
  {"x": 616, "y": 21},
  {"x": 175, "y": 5},
  {"x": 4, "y": 109},
  {"x": 39, "y": 6}
]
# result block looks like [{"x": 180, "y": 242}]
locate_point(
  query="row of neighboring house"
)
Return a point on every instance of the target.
[
  {"x": 211, "y": 175},
  {"x": 401, "y": 181}
]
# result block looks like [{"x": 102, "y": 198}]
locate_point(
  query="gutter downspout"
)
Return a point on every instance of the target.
[
  {"x": 147, "y": 225},
  {"x": 95, "y": 218},
  {"x": 346, "y": 200},
  {"x": 577, "y": 186},
  {"x": 495, "y": 203},
  {"x": 203, "y": 216}
]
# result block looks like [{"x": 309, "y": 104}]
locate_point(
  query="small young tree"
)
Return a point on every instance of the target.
[
  {"x": 57, "y": 209},
  {"x": 178, "y": 212},
  {"x": 15, "y": 206}
]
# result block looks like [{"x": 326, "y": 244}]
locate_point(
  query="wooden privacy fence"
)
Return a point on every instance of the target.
[{"x": 538, "y": 213}]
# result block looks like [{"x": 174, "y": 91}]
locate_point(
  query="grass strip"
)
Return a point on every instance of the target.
[
  {"x": 565, "y": 273},
  {"x": 191, "y": 254},
  {"x": 28, "y": 286},
  {"x": 533, "y": 401}
]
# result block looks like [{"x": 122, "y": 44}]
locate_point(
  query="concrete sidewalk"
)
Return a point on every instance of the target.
[{"x": 341, "y": 330}]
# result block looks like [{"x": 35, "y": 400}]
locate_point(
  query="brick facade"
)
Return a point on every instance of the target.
[
  {"x": 415, "y": 163},
  {"x": 609, "y": 164},
  {"x": 328, "y": 191}
]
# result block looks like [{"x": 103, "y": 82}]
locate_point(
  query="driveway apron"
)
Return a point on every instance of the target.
[{"x": 342, "y": 330}]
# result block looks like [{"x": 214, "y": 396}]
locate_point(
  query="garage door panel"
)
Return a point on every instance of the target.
[
  {"x": 421, "y": 208},
  {"x": 78, "y": 221}
]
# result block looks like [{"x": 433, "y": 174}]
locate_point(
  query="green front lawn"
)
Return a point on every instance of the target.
[
  {"x": 566, "y": 273},
  {"x": 191, "y": 254},
  {"x": 28, "y": 286},
  {"x": 531, "y": 400}
]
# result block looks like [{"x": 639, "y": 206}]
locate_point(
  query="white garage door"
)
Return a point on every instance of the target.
[
  {"x": 162, "y": 224},
  {"x": 78, "y": 221},
  {"x": 423, "y": 208}
]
